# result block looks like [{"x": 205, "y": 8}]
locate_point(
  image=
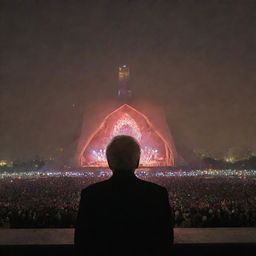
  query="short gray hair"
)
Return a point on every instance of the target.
[{"x": 123, "y": 153}]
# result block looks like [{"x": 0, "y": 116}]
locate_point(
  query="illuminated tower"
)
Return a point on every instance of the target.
[
  {"x": 141, "y": 119},
  {"x": 124, "y": 90}
]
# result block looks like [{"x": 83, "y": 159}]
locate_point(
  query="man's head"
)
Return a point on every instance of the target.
[{"x": 123, "y": 153}]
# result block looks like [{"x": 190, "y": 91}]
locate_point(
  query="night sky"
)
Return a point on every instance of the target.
[{"x": 196, "y": 57}]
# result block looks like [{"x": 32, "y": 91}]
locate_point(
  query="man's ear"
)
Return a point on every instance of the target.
[
  {"x": 138, "y": 162},
  {"x": 109, "y": 165}
]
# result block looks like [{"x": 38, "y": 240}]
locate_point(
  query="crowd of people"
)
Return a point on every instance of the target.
[
  {"x": 196, "y": 201},
  {"x": 212, "y": 201}
]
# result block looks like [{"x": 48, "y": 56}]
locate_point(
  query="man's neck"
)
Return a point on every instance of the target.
[{"x": 120, "y": 174}]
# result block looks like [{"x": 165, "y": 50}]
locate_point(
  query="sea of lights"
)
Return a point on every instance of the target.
[{"x": 142, "y": 172}]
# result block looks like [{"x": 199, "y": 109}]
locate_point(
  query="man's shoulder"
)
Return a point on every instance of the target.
[
  {"x": 107, "y": 185},
  {"x": 95, "y": 187},
  {"x": 152, "y": 186}
]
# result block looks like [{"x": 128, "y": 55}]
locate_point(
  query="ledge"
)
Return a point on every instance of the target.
[{"x": 182, "y": 236}]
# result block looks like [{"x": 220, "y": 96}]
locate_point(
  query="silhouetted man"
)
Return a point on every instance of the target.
[{"x": 124, "y": 215}]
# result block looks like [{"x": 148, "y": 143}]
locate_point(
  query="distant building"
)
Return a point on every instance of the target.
[{"x": 124, "y": 90}]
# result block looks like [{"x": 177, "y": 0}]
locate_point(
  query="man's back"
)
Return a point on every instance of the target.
[{"x": 124, "y": 216}]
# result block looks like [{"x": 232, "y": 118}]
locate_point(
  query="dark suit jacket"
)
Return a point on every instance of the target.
[{"x": 124, "y": 216}]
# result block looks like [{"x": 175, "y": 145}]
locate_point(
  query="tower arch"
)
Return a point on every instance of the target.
[{"x": 126, "y": 120}]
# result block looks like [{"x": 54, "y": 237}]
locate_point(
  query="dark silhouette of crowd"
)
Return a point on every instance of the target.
[{"x": 202, "y": 201}]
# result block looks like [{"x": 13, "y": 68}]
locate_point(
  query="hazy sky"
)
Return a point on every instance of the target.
[{"x": 197, "y": 57}]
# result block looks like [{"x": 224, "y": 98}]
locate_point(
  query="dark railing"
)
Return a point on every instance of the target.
[{"x": 201, "y": 241}]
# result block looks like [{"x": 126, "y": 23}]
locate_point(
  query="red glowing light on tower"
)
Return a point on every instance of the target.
[{"x": 126, "y": 120}]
